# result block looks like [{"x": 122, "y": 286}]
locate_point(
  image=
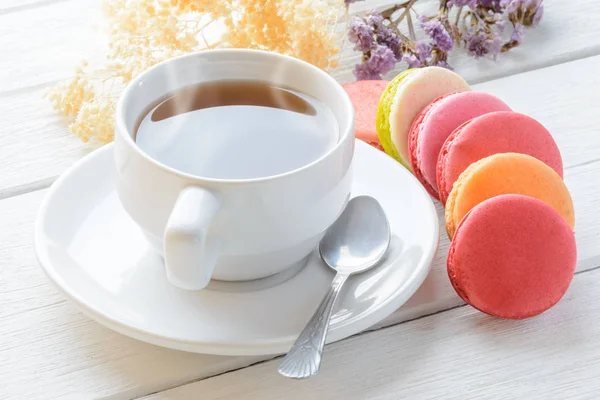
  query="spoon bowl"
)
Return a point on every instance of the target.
[{"x": 358, "y": 239}]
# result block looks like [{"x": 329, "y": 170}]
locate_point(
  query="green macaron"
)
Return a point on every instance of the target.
[{"x": 404, "y": 98}]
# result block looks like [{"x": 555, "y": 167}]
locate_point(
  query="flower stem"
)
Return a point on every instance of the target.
[
  {"x": 509, "y": 45},
  {"x": 443, "y": 7},
  {"x": 344, "y": 36},
  {"x": 387, "y": 13},
  {"x": 458, "y": 16},
  {"x": 407, "y": 10},
  {"x": 411, "y": 29}
]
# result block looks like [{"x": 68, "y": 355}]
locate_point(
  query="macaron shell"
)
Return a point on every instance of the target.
[
  {"x": 507, "y": 173},
  {"x": 437, "y": 121},
  {"x": 491, "y": 133},
  {"x": 413, "y": 140},
  {"x": 365, "y": 96},
  {"x": 418, "y": 90},
  {"x": 382, "y": 120},
  {"x": 512, "y": 257}
]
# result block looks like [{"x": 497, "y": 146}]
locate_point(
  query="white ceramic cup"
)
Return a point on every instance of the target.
[{"x": 226, "y": 229}]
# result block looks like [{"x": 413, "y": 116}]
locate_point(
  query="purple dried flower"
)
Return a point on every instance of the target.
[
  {"x": 538, "y": 16},
  {"x": 423, "y": 48},
  {"x": 381, "y": 61},
  {"x": 390, "y": 39},
  {"x": 384, "y": 34},
  {"x": 418, "y": 58},
  {"x": 490, "y": 3},
  {"x": 479, "y": 29},
  {"x": 361, "y": 34},
  {"x": 443, "y": 64},
  {"x": 518, "y": 34},
  {"x": 535, "y": 11},
  {"x": 363, "y": 72},
  {"x": 479, "y": 43},
  {"x": 438, "y": 33},
  {"x": 526, "y": 12},
  {"x": 462, "y": 3},
  {"x": 498, "y": 19},
  {"x": 510, "y": 6},
  {"x": 375, "y": 20}
]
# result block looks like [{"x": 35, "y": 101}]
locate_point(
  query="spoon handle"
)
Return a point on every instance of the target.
[{"x": 304, "y": 358}]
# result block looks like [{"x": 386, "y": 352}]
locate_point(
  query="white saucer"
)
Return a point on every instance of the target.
[{"x": 94, "y": 253}]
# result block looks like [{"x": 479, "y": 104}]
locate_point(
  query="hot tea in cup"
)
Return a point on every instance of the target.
[{"x": 237, "y": 129}]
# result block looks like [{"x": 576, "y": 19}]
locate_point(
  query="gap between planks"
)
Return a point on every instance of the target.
[
  {"x": 26, "y": 188},
  {"x": 365, "y": 332},
  {"x": 45, "y": 183},
  {"x": 24, "y": 5}
]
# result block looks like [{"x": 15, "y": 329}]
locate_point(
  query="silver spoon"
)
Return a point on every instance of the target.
[{"x": 354, "y": 243}]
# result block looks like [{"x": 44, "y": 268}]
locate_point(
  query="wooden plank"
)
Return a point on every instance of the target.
[
  {"x": 460, "y": 354},
  {"x": 49, "y": 349},
  {"x": 43, "y": 44},
  {"x": 570, "y": 119},
  {"x": 36, "y": 147},
  {"x": 14, "y": 6}
]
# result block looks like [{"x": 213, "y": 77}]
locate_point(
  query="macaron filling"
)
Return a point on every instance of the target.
[{"x": 383, "y": 121}]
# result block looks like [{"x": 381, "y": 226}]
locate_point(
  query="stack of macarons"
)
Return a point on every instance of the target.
[{"x": 499, "y": 173}]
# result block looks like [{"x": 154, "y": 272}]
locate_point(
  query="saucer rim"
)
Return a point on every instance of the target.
[{"x": 274, "y": 346}]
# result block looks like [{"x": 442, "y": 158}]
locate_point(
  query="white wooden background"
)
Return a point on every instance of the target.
[{"x": 433, "y": 347}]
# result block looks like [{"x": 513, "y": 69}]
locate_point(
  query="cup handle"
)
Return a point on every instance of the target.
[{"x": 190, "y": 255}]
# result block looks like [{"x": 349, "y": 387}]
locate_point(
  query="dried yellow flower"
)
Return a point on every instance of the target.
[
  {"x": 94, "y": 120},
  {"x": 69, "y": 96},
  {"x": 142, "y": 33}
]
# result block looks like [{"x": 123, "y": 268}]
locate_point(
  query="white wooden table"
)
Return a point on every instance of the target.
[{"x": 433, "y": 347}]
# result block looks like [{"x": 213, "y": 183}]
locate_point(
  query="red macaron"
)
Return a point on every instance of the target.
[
  {"x": 512, "y": 256},
  {"x": 365, "y": 96},
  {"x": 489, "y": 134}
]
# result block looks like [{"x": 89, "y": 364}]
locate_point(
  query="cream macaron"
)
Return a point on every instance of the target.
[{"x": 404, "y": 98}]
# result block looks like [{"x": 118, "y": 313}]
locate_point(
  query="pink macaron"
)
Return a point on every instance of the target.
[
  {"x": 365, "y": 98},
  {"x": 512, "y": 256},
  {"x": 436, "y": 122},
  {"x": 492, "y": 133}
]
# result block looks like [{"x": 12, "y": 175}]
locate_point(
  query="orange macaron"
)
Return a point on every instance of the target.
[{"x": 507, "y": 173}]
